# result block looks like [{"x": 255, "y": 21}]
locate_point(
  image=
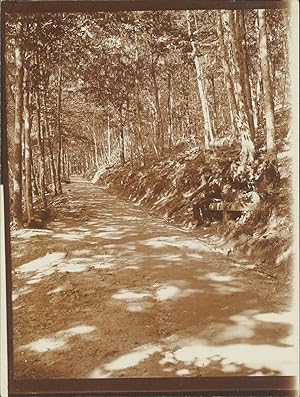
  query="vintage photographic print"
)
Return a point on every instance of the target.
[{"x": 149, "y": 168}]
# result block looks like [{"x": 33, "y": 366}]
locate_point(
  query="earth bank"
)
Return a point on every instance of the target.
[{"x": 164, "y": 188}]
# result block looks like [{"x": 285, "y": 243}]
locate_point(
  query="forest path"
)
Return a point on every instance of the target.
[{"x": 109, "y": 291}]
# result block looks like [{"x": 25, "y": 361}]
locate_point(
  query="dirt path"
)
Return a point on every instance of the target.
[{"x": 109, "y": 291}]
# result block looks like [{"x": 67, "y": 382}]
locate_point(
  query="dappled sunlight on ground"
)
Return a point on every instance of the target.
[
  {"x": 147, "y": 298},
  {"x": 167, "y": 291},
  {"x": 218, "y": 277},
  {"x": 20, "y": 292},
  {"x": 283, "y": 317},
  {"x": 29, "y": 233},
  {"x": 178, "y": 241},
  {"x": 242, "y": 327},
  {"x": 131, "y": 359},
  {"x": 133, "y": 267},
  {"x": 55, "y": 290},
  {"x": 189, "y": 353},
  {"x": 59, "y": 341},
  {"x": 41, "y": 264},
  {"x": 162, "y": 242},
  {"x": 70, "y": 236},
  {"x": 39, "y": 268},
  {"x": 42, "y": 267},
  {"x": 171, "y": 258},
  {"x": 129, "y": 295},
  {"x": 226, "y": 289},
  {"x": 45, "y": 344},
  {"x": 159, "y": 292},
  {"x": 233, "y": 356}
]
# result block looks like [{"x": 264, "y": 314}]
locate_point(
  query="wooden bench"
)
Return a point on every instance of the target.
[{"x": 228, "y": 209}]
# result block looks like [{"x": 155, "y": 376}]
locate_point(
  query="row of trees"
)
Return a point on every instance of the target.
[{"x": 88, "y": 89}]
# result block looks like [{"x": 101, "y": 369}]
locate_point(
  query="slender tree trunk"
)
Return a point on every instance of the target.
[
  {"x": 245, "y": 76},
  {"x": 269, "y": 115},
  {"x": 272, "y": 68},
  {"x": 237, "y": 68},
  {"x": 122, "y": 143},
  {"x": 185, "y": 112},
  {"x": 53, "y": 168},
  {"x": 50, "y": 145},
  {"x": 28, "y": 152},
  {"x": 62, "y": 158},
  {"x": 284, "y": 89},
  {"x": 108, "y": 142},
  {"x": 95, "y": 145},
  {"x": 159, "y": 133},
  {"x": 139, "y": 128},
  {"x": 68, "y": 167},
  {"x": 215, "y": 118},
  {"x": 137, "y": 96},
  {"x": 285, "y": 53},
  {"x": 130, "y": 137},
  {"x": 34, "y": 179},
  {"x": 208, "y": 134},
  {"x": 41, "y": 149},
  {"x": 170, "y": 111},
  {"x": 254, "y": 106},
  {"x": 59, "y": 135},
  {"x": 227, "y": 74},
  {"x": 17, "y": 152}
]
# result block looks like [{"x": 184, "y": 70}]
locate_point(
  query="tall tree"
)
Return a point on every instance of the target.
[
  {"x": 247, "y": 146},
  {"x": 267, "y": 93},
  {"x": 19, "y": 95},
  {"x": 27, "y": 146},
  {"x": 227, "y": 74},
  {"x": 208, "y": 134},
  {"x": 244, "y": 66},
  {"x": 59, "y": 132},
  {"x": 41, "y": 148}
]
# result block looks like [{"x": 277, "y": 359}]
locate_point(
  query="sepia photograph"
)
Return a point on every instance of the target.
[{"x": 149, "y": 205}]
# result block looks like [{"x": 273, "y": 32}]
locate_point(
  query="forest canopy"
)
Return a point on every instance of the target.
[{"x": 89, "y": 89}]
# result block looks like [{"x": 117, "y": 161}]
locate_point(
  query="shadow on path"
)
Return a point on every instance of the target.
[{"x": 109, "y": 291}]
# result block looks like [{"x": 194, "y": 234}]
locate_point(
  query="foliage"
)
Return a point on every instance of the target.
[{"x": 116, "y": 87}]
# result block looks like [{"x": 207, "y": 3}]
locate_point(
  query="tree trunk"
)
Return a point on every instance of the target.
[
  {"x": 185, "y": 108},
  {"x": 28, "y": 152},
  {"x": 50, "y": 145},
  {"x": 17, "y": 152},
  {"x": 269, "y": 115},
  {"x": 68, "y": 167},
  {"x": 254, "y": 106},
  {"x": 245, "y": 77},
  {"x": 95, "y": 145},
  {"x": 122, "y": 143},
  {"x": 108, "y": 142},
  {"x": 59, "y": 135},
  {"x": 159, "y": 131},
  {"x": 62, "y": 158},
  {"x": 130, "y": 137},
  {"x": 137, "y": 96},
  {"x": 227, "y": 74},
  {"x": 208, "y": 135},
  {"x": 34, "y": 179},
  {"x": 170, "y": 111},
  {"x": 236, "y": 67},
  {"x": 41, "y": 149},
  {"x": 215, "y": 118},
  {"x": 247, "y": 146}
]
